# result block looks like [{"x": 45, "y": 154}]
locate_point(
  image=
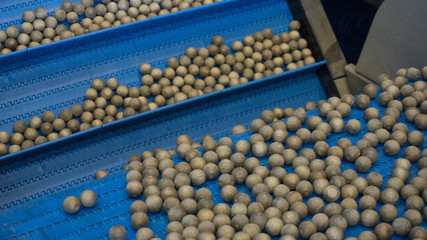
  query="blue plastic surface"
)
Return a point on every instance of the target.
[
  {"x": 44, "y": 218},
  {"x": 55, "y": 76},
  {"x": 12, "y": 10},
  {"x": 48, "y": 79},
  {"x": 71, "y": 161}
]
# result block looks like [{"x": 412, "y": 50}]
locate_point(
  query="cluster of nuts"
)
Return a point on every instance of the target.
[
  {"x": 278, "y": 114},
  {"x": 196, "y": 73},
  {"x": 93, "y": 112},
  {"x": 39, "y": 130},
  {"x": 279, "y": 208},
  {"x": 71, "y": 20},
  {"x": 72, "y": 204},
  {"x": 102, "y": 105},
  {"x": 205, "y": 70}
]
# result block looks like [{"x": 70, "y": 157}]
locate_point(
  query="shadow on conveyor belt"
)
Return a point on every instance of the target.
[{"x": 351, "y": 20}]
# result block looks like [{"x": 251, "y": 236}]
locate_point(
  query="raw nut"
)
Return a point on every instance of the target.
[
  {"x": 88, "y": 198},
  {"x": 117, "y": 232},
  {"x": 71, "y": 204}
]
